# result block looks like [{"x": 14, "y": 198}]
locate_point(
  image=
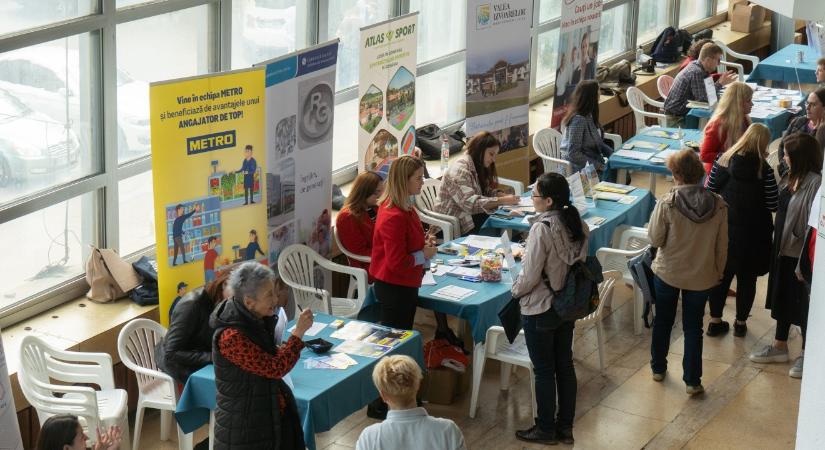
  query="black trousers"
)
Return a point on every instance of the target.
[
  {"x": 745, "y": 293},
  {"x": 398, "y": 304}
]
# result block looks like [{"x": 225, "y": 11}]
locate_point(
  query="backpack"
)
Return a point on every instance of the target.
[
  {"x": 147, "y": 293},
  {"x": 669, "y": 45},
  {"x": 428, "y": 139},
  {"x": 109, "y": 276},
  {"x": 642, "y": 272}
]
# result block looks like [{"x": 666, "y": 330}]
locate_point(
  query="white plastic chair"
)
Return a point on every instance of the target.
[
  {"x": 740, "y": 69},
  {"x": 773, "y": 162},
  {"x": 350, "y": 255},
  {"x": 632, "y": 242},
  {"x": 663, "y": 84},
  {"x": 637, "y": 100},
  {"x": 606, "y": 297},
  {"x": 518, "y": 186},
  {"x": 41, "y": 363},
  {"x": 136, "y": 347},
  {"x": 547, "y": 144},
  {"x": 496, "y": 347},
  {"x": 296, "y": 265},
  {"x": 426, "y": 201}
]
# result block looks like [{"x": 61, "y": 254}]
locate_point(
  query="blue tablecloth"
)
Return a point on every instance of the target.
[
  {"x": 615, "y": 214},
  {"x": 618, "y": 162},
  {"x": 776, "y": 123},
  {"x": 324, "y": 397},
  {"x": 782, "y": 66}
]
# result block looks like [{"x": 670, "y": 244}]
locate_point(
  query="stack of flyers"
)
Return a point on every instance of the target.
[
  {"x": 337, "y": 361},
  {"x": 371, "y": 333},
  {"x": 363, "y": 349}
]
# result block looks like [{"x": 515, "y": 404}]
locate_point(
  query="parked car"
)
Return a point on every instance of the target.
[
  {"x": 32, "y": 143},
  {"x": 268, "y": 29}
]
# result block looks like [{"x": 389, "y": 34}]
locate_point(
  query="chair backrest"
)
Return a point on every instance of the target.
[
  {"x": 664, "y": 83},
  {"x": 428, "y": 197},
  {"x": 773, "y": 162},
  {"x": 136, "y": 347},
  {"x": 606, "y": 289},
  {"x": 547, "y": 142},
  {"x": 344, "y": 250},
  {"x": 634, "y": 238},
  {"x": 296, "y": 266}
]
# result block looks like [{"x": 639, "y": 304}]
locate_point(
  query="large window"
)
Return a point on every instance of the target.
[
  {"x": 136, "y": 216},
  {"x": 441, "y": 30},
  {"x": 344, "y": 20},
  {"x": 653, "y": 18},
  {"x": 691, "y": 11},
  {"x": 265, "y": 29},
  {"x": 18, "y": 15},
  {"x": 614, "y": 38}
]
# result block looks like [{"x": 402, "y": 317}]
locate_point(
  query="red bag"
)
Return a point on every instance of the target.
[{"x": 439, "y": 352}]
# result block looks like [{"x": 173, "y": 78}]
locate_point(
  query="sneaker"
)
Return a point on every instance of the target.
[
  {"x": 534, "y": 434},
  {"x": 769, "y": 354},
  {"x": 565, "y": 436},
  {"x": 796, "y": 370},
  {"x": 694, "y": 390},
  {"x": 740, "y": 330},
  {"x": 658, "y": 376},
  {"x": 717, "y": 328}
]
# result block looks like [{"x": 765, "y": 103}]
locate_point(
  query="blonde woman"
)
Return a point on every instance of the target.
[
  {"x": 728, "y": 123},
  {"x": 745, "y": 181}
]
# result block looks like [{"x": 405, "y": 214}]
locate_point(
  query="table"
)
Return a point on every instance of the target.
[
  {"x": 776, "y": 123},
  {"x": 615, "y": 214},
  {"x": 621, "y": 163},
  {"x": 324, "y": 397},
  {"x": 782, "y": 66}
]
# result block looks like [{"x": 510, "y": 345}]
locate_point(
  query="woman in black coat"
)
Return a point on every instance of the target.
[
  {"x": 745, "y": 180},
  {"x": 187, "y": 346}
]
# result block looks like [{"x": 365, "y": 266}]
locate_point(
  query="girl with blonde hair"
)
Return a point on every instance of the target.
[
  {"x": 745, "y": 181},
  {"x": 728, "y": 123}
]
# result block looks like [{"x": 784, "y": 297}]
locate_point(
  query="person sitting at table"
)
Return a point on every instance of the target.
[
  {"x": 727, "y": 124},
  {"x": 689, "y": 84},
  {"x": 693, "y": 52},
  {"x": 583, "y": 137},
  {"x": 689, "y": 226},
  {"x": 812, "y": 124},
  {"x": 356, "y": 220},
  {"x": 745, "y": 181},
  {"x": 255, "y": 408},
  {"x": 469, "y": 187},
  {"x": 64, "y": 432},
  {"x": 788, "y": 297},
  {"x": 558, "y": 238},
  {"x": 407, "y": 426},
  {"x": 820, "y": 72},
  {"x": 187, "y": 346}
]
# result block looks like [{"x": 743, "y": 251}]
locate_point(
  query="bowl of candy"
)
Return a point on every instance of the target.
[{"x": 491, "y": 267}]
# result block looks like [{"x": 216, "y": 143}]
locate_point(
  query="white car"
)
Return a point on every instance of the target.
[
  {"x": 44, "y": 77},
  {"x": 268, "y": 29},
  {"x": 32, "y": 143}
]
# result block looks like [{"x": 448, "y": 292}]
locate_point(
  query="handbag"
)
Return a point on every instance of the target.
[
  {"x": 510, "y": 317},
  {"x": 428, "y": 139},
  {"x": 109, "y": 276}
]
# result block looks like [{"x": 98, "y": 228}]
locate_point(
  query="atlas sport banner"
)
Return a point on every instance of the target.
[
  {"x": 577, "y": 51},
  {"x": 9, "y": 428},
  {"x": 386, "y": 92},
  {"x": 208, "y": 166},
  {"x": 498, "y": 69},
  {"x": 300, "y": 100}
]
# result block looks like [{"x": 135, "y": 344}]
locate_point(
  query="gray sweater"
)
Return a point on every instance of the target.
[{"x": 796, "y": 219}]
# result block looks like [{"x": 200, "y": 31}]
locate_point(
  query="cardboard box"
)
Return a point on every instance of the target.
[
  {"x": 744, "y": 16},
  {"x": 439, "y": 385}
]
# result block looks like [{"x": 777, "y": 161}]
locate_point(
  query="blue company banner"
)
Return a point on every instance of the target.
[{"x": 296, "y": 65}]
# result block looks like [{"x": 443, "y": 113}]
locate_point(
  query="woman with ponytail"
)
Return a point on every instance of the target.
[{"x": 558, "y": 238}]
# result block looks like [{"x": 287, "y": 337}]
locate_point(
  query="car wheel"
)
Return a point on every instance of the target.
[{"x": 5, "y": 172}]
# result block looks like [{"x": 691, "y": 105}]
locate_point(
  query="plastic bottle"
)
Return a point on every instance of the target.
[
  {"x": 639, "y": 52},
  {"x": 445, "y": 153}
]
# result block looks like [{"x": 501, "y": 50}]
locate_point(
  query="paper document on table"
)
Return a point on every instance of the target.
[
  {"x": 485, "y": 242},
  {"x": 576, "y": 188},
  {"x": 609, "y": 196},
  {"x": 633, "y": 154},
  {"x": 710, "y": 90},
  {"x": 442, "y": 269},
  {"x": 465, "y": 272},
  {"x": 665, "y": 154},
  {"x": 759, "y": 113},
  {"x": 605, "y": 186},
  {"x": 428, "y": 279},
  {"x": 593, "y": 222},
  {"x": 628, "y": 199},
  {"x": 363, "y": 349},
  {"x": 453, "y": 293},
  {"x": 648, "y": 145},
  {"x": 313, "y": 330}
]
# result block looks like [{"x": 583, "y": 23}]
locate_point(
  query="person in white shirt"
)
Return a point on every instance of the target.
[{"x": 407, "y": 426}]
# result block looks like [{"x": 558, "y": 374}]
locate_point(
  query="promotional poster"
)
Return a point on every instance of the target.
[
  {"x": 300, "y": 101},
  {"x": 498, "y": 69},
  {"x": 386, "y": 92},
  {"x": 577, "y": 51},
  {"x": 208, "y": 162}
]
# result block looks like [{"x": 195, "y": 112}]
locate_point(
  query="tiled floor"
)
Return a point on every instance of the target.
[{"x": 746, "y": 405}]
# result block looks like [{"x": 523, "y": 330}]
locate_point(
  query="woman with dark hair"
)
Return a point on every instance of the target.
[
  {"x": 469, "y": 187},
  {"x": 787, "y": 295},
  {"x": 356, "y": 220},
  {"x": 813, "y": 124},
  {"x": 557, "y": 239},
  {"x": 253, "y": 246},
  {"x": 689, "y": 226},
  {"x": 583, "y": 138},
  {"x": 255, "y": 408},
  {"x": 64, "y": 432},
  {"x": 187, "y": 346}
]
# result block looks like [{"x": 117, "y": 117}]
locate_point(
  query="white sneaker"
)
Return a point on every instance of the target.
[
  {"x": 796, "y": 370},
  {"x": 769, "y": 354}
]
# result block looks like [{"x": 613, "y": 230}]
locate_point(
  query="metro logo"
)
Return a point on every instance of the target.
[{"x": 210, "y": 142}]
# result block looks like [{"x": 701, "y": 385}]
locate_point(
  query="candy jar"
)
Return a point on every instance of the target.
[{"x": 491, "y": 266}]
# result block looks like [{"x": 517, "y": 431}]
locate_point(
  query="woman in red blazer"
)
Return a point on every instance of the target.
[
  {"x": 356, "y": 220},
  {"x": 399, "y": 249}
]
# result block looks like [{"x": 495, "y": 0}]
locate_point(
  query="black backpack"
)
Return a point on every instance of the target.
[{"x": 670, "y": 44}]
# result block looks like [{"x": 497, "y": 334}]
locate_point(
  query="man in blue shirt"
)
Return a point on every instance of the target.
[
  {"x": 177, "y": 231},
  {"x": 248, "y": 169}
]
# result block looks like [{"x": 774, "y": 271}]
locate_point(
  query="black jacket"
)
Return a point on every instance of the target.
[
  {"x": 247, "y": 415},
  {"x": 187, "y": 346}
]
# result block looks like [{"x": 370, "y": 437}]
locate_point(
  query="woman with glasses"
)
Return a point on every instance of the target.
[
  {"x": 356, "y": 220},
  {"x": 813, "y": 123}
]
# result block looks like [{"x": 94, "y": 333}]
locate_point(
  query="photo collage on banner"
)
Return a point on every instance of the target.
[
  {"x": 300, "y": 101},
  {"x": 498, "y": 69},
  {"x": 577, "y": 51},
  {"x": 386, "y": 92},
  {"x": 208, "y": 162}
]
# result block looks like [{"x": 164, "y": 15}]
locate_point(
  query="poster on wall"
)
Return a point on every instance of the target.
[
  {"x": 386, "y": 92},
  {"x": 577, "y": 51},
  {"x": 9, "y": 428},
  {"x": 208, "y": 166},
  {"x": 300, "y": 101},
  {"x": 498, "y": 69}
]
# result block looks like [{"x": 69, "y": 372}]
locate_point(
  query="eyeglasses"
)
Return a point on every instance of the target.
[{"x": 536, "y": 196}]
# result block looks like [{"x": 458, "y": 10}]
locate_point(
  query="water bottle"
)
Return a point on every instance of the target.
[
  {"x": 445, "y": 153},
  {"x": 681, "y": 137},
  {"x": 639, "y": 53}
]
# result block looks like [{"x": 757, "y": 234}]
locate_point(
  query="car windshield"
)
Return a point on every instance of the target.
[{"x": 11, "y": 106}]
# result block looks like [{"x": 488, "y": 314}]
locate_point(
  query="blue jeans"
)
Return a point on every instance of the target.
[
  {"x": 693, "y": 310},
  {"x": 551, "y": 352}
]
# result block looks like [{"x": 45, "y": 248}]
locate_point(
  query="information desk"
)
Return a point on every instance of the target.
[{"x": 324, "y": 397}]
